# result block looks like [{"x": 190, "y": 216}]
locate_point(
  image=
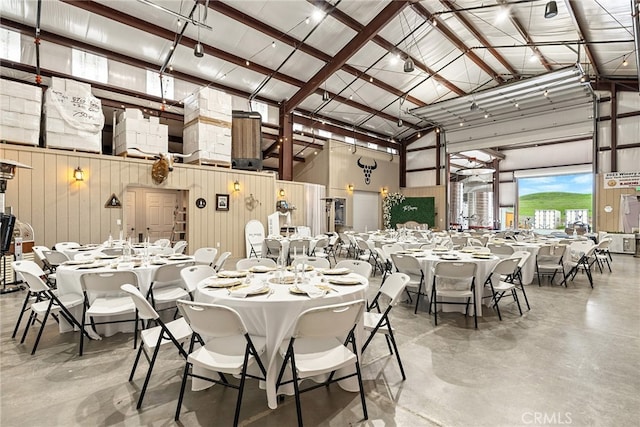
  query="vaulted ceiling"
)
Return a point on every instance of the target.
[{"x": 343, "y": 61}]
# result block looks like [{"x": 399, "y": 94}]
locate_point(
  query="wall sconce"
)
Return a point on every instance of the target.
[
  {"x": 350, "y": 187},
  {"x": 281, "y": 193},
  {"x": 78, "y": 174},
  {"x": 236, "y": 186},
  {"x": 384, "y": 191}
]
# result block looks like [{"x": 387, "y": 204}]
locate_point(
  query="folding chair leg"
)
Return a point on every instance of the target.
[
  {"x": 148, "y": 377},
  {"x": 296, "y": 389},
  {"x": 44, "y": 322},
  {"x": 525, "y": 296},
  {"x": 22, "y": 311},
  {"x": 182, "y": 387},
  {"x": 135, "y": 363},
  {"x": 362, "y": 398},
  {"x": 395, "y": 348},
  {"x": 32, "y": 318},
  {"x": 516, "y": 299},
  {"x": 475, "y": 310}
]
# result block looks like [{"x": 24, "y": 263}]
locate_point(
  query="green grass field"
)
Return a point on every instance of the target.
[{"x": 553, "y": 200}]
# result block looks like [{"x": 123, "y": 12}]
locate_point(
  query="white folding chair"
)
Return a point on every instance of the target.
[
  {"x": 550, "y": 261},
  {"x": 43, "y": 301},
  {"x": 248, "y": 263},
  {"x": 312, "y": 261},
  {"x": 167, "y": 285},
  {"x": 63, "y": 246},
  {"x": 582, "y": 261},
  {"x": 377, "y": 321},
  {"x": 274, "y": 246},
  {"x": 179, "y": 247},
  {"x": 409, "y": 265},
  {"x": 229, "y": 349},
  {"x": 318, "y": 346},
  {"x": 176, "y": 332},
  {"x": 602, "y": 254},
  {"x": 359, "y": 267},
  {"x": 454, "y": 280},
  {"x": 523, "y": 258},
  {"x": 501, "y": 281},
  {"x": 205, "y": 255},
  {"x": 104, "y": 298},
  {"x": 193, "y": 275},
  {"x": 501, "y": 251},
  {"x": 219, "y": 265},
  {"x": 84, "y": 256},
  {"x": 163, "y": 243}
]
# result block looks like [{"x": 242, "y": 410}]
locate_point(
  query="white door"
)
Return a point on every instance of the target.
[
  {"x": 159, "y": 213},
  {"x": 130, "y": 216},
  {"x": 366, "y": 211}
]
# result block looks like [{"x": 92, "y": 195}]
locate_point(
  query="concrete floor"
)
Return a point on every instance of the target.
[{"x": 571, "y": 360}]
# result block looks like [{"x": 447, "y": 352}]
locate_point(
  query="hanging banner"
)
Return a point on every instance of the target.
[{"x": 621, "y": 180}]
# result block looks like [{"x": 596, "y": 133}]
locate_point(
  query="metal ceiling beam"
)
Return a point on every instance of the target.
[
  {"x": 317, "y": 124},
  {"x": 525, "y": 34},
  {"x": 481, "y": 38},
  {"x": 278, "y": 35},
  {"x": 383, "y": 43},
  {"x": 422, "y": 11},
  {"x": 134, "y": 22},
  {"x": 579, "y": 24},
  {"x": 367, "y": 33}
]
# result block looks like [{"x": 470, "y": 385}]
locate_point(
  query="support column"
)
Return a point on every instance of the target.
[
  {"x": 285, "y": 161},
  {"x": 438, "y": 160},
  {"x": 403, "y": 165},
  {"x": 614, "y": 128},
  {"x": 496, "y": 194}
]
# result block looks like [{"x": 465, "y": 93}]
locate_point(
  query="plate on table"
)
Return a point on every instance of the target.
[
  {"x": 284, "y": 280},
  {"x": 312, "y": 291},
  {"x": 158, "y": 262},
  {"x": 92, "y": 266},
  {"x": 221, "y": 282},
  {"x": 105, "y": 256},
  {"x": 306, "y": 268},
  {"x": 440, "y": 249},
  {"x": 345, "y": 280},
  {"x": 232, "y": 273},
  {"x": 179, "y": 257},
  {"x": 78, "y": 262},
  {"x": 450, "y": 257},
  {"x": 482, "y": 255},
  {"x": 261, "y": 269},
  {"x": 241, "y": 291},
  {"x": 336, "y": 271},
  {"x": 468, "y": 250}
]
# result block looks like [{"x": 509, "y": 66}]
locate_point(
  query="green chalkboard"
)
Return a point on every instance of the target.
[{"x": 419, "y": 209}]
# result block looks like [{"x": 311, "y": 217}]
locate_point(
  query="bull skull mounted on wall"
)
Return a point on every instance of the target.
[
  {"x": 367, "y": 169},
  {"x": 163, "y": 164}
]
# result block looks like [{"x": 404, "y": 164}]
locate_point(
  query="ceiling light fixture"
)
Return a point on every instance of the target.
[
  {"x": 625, "y": 62},
  {"x": 473, "y": 107},
  {"x": 177, "y": 15},
  {"x": 486, "y": 115},
  {"x": 198, "y": 50},
  {"x": 394, "y": 59},
  {"x": 409, "y": 66},
  {"x": 325, "y": 96},
  {"x": 550, "y": 10},
  {"x": 475, "y": 171},
  {"x": 546, "y": 93},
  {"x": 273, "y": 44},
  {"x": 306, "y": 21},
  {"x": 400, "y": 123}
]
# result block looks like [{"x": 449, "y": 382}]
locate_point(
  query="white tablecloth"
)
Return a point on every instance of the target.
[
  {"x": 274, "y": 315},
  {"x": 68, "y": 281}
]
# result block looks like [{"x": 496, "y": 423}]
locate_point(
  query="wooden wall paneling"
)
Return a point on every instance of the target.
[
  {"x": 62, "y": 200},
  {"x": 611, "y": 197},
  {"x": 37, "y": 218},
  {"x": 24, "y": 190},
  {"x": 86, "y": 211}
]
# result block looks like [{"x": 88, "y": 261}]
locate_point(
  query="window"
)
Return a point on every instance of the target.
[
  {"x": 324, "y": 133},
  {"x": 9, "y": 45},
  {"x": 262, "y": 108},
  {"x": 89, "y": 66},
  {"x": 555, "y": 202},
  {"x": 349, "y": 140},
  {"x": 153, "y": 85}
]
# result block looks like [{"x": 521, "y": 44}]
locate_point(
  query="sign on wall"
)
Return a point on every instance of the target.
[
  {"x": 621, "y": 180},
  {"x": 419, "y": 209},
  {"x": 367, "y": 166}
]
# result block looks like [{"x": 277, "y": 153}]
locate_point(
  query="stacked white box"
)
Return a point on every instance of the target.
[
  {"x": 20, "y": 112},
  {"x": 576, "y": 215},
  {"x": 134, "y": 131},
  {"x": 547, "y": 219},
  {"x": 207, "y": 118},
  {"x": 73, "y": 116}
]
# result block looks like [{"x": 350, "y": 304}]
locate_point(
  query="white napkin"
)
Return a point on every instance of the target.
[
  {"x": 242, "y": 292},
  {"x": 312, "y": 291}
]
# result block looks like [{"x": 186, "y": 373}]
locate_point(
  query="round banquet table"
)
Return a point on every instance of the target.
[
  {"x": 273, "y": 315},
  {"x": 68, "y": 281},
  {"x": 429, "y": 259}
]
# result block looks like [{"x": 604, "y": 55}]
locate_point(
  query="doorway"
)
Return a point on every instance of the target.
[
  {"x": 366, "y": 211},
  {"x": 155, "y": 213}
]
